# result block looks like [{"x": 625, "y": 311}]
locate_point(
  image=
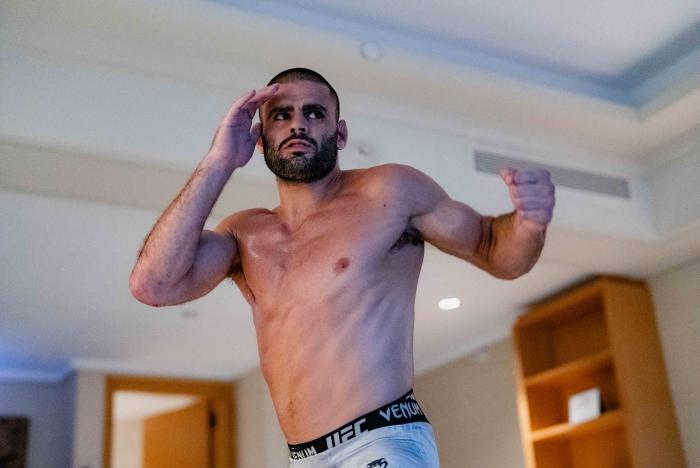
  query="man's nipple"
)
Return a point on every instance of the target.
[{"x": 341, "y": 265}]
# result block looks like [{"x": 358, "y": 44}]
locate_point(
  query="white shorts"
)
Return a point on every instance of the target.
[{"x": 401, "y": 446}]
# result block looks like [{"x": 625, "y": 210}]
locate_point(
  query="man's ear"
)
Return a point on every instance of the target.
[
  {"x": 259, "y": 143},
  {"x": 342, "y": 134}
]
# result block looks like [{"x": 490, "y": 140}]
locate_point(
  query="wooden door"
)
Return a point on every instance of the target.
[
  {"x": 218, "y": 394},
  {"x": 178, "y": 439}
]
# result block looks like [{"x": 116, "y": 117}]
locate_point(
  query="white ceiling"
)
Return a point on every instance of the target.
[
  {"x": 585, "y": 37},
  {"x": 105, "y": 112},
  {"x": 597, "y": 47}
]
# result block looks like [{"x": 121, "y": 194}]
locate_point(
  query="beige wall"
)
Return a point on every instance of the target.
[
  {"x": 261, "y": 443},
  {"x": 127, "y": 440},
  {"x": 676, "y": 296},
  {"x": 89, "y": 419},
  {"x": 471, "y": 404},
  {"x": 49, "y": 407}
]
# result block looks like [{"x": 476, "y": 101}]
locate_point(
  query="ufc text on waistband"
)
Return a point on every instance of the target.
[{"x": 403, "y": 410}]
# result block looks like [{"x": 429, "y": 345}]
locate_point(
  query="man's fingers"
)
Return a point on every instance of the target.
[
  {"x": 249, "y": 103},
  {"x": 530, "y": 177},
  {"x": 531, "y": 189},
  {"x": 268, "y": 91},
  {"x": 523, "y": 190},
  {"x": 507, "y": 174},
  {"x": 259, "y": 98},
  {"x": 531, "y": 203},
  {"x": 237, "y": 105},
  {"x": 512, "y": 176}
]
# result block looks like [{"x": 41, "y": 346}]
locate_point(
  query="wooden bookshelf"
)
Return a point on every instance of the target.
[{"x": 601, "y": 334}]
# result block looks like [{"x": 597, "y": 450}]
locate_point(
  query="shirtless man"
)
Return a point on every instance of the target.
[{"x": 331, "y": 273}]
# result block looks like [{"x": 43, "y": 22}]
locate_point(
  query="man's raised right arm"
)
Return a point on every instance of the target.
[{"x": 180, "y": 261}]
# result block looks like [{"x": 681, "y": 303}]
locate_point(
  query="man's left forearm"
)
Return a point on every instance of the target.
[
  {"x": 514, "y": 245},
  {"x": 514, "y": 241}
]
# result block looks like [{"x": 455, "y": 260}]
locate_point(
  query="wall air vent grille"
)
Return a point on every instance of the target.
[{"x": 491, "y": 163}]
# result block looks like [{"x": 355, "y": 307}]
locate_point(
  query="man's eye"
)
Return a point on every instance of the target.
[
  {"x": 279, "y": 116},
  {"x": 314, "y": 115}
]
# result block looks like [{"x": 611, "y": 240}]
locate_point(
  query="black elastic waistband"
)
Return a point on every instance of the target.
[{"x": 403, "y": 410}]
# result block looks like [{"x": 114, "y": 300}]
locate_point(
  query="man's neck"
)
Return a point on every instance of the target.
[{"x": 298, "y": 201}]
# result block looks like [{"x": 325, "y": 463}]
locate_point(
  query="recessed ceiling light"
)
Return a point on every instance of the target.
[
  {"x": 449, "y": 303},
  {"x": 371, "y": 51}
]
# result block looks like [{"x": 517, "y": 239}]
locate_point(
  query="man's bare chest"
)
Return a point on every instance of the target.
[{"x": 344, "y": 243}]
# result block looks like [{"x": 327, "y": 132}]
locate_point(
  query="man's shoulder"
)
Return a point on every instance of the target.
[
  {"x": 391, "y": 170},
  {"x": 249, "y": 213},
  {"x": 394, "y": 178},
  {"x": 406, "y": 187},
  {"x": 236, "y": 221}
]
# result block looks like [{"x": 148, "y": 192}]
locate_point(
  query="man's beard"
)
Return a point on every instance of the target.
[{"x": 302, "y": 169}]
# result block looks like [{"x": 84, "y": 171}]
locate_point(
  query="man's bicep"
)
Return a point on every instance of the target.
[
  {"x": 216, "y": 255},
  {"x": 455, "y": 228},
  {"x": 449, "y": 225}
]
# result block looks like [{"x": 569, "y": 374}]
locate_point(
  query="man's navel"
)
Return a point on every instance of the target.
[{"x": 341, "y": 265}]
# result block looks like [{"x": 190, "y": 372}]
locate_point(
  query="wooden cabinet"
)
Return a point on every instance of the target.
[{"x": 599, "y": 334}]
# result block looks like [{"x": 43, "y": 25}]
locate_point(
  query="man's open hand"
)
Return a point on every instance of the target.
[
  {"x": 532, "y": 193},
  {"x": 235, "y": 138}
]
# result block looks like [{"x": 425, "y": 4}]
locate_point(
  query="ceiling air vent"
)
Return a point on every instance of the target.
[{"x": 491, "y": 163}]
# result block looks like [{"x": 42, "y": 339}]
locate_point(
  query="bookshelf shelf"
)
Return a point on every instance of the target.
[
  {"x": 606, "y": 421},
  {"x": 572, "y": 371}
]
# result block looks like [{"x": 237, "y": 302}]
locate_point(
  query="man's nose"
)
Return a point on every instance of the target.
[{"x": 298, "y": 124}]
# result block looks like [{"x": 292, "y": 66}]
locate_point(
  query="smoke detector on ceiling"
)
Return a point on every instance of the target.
[{"x": 370, "y": 51}]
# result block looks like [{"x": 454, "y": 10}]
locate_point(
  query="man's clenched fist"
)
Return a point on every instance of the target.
[{"x": 532, "y": 193}]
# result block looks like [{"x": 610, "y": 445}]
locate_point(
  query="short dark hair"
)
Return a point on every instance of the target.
[{"x": 305, "y": 74}]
